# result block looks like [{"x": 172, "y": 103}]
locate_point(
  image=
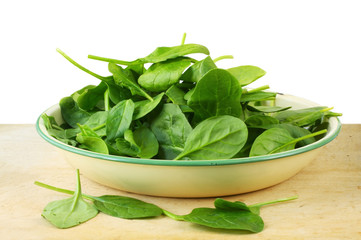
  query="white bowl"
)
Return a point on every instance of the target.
[{"x": 197, "y": 178}]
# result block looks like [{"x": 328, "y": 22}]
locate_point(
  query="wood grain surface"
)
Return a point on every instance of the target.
[{"x": 328, "y": 207}]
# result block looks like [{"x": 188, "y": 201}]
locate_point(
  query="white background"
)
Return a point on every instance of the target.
[{"x": 310, "y": 49}]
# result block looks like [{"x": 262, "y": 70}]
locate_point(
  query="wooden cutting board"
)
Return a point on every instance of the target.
[{"x": 328, "y": 207}]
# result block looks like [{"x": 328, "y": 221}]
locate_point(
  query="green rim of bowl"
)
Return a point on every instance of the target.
[{"x": 326, "y": 139}]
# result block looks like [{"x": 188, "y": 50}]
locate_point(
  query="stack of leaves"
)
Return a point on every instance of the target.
[
  {"x": 75, "y": 210},
  {"x": 182, "y": 108}
]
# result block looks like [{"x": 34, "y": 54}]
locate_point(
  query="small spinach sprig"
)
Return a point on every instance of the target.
[
  {"x": 73, "y": 211},
  {"x": 183, "y": 109}
]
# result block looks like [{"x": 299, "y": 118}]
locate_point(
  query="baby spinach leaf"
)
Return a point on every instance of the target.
[
  {"x": 124, "y": 147},
  {"x": 119, "y": 119},
  {"x": 275, "y": 140},
  {"x": 227, "y": 205},
  {"x": 160, "y": 76},
  {"x": 146, "y": 141},
  {"x": 90, "y": 140},
  {"x": 171, "y": 129},
  {"x": 257, "y": 96},
  {"x": 126, "y": 207},
  {"x": 266, "y": 109},
  {"x": 226, "y": 219},
  {"x": 270, "y": 140},
  {"x": 142, "y": 108},
  {"x": 70, "y": 212},
  {"x": 176, "y": 95},
  {"x": 195, "y": 72},
  {"x": 216, "y": 93},
  {"x": 302, "y": 117},
  {"x": 261, "y": 121},
  {"x": 297, "y": 132},
  {"x": 215, "y": 138},
  {"x": 90, "y": 98},
  {"x": 246, "y": 74},
  {"x": 71, "y": 112},
  {"x": 160, "y": 54},
  {"x": 124, "y": 78},
  {"x": 94, "y": 144}
]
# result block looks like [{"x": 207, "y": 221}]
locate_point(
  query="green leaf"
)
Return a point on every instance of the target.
[
  {"x": 124, "y": 78},
  {"x": 257, "y": 96},
  {"x": 160, "y": 54},
  {"x": 69, "y": 212},
  {"x": 266, "y": 109},
  {"x": 142, "y": 108},
  {"x": 91, "y": 97},
  {"x": 217, "y": 93},
  {"x": 215, "y": 138},
  {"x": 126, "y": 207},
  {"x": 302, "y": 117},
  {"x": 261, "y": 121},
  {"x": 160, "y": 76},
  {"x": 171, "y": 129},
  {"x": 71, "y": 112},
  {"x": 146, "y": 141},
  {"x": 226, "y": 219},
  {"x": 246, "y": 74},
  {"x": 90, "y": 140},
  {"x": 275, "y": 140},
  {"x": 195, "y": 72},
  {"x": 119, "y": 119},
  {"x": 176, "y": 95}
]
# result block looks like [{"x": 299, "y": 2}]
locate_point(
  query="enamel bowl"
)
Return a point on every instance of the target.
[{"x": 197, "y": 178}]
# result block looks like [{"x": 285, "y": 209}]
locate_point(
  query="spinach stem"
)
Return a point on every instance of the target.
[
  {"x": 106, "y": 100},
  {"x": 61, "y": 190},
  {"x": 223, "y": 57},
  {"x": 326, "y": 109},
  {"x": 111, "y": 60},
  {"x": 183, "y": 38},
  {"x": 273, "y": 201},
  {"x": 173, "y": 216},
  {"x": 99, "y": 127},
  {"x": 258, "y": 89},
  {"x": 80, "y": 66}
]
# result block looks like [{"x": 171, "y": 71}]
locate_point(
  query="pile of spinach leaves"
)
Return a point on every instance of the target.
[
  {"x": 181, "y": 108},
  {"x": 79, "y": 208}
]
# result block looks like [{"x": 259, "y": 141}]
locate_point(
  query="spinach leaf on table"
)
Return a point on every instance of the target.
[
  {"x": 126, "y": 207},
  {"x": 70, "y": 212},
  {"x": 226, "y": 214}
]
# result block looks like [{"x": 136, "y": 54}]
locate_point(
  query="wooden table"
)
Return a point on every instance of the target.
[{"x": 329, "y": 190}]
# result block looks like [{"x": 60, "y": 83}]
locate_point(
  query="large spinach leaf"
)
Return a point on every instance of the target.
[
  {"x": 160, "y": 76},
  {"x": 171, "y": 129},
  {"x": 216, "y": 93},
  {"x": 215, "y": 138},
  {"x": 119, "y": 119}
]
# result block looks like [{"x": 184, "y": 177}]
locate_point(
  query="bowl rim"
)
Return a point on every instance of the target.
[{"x": 330, "y": 135}]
